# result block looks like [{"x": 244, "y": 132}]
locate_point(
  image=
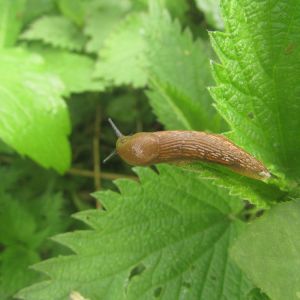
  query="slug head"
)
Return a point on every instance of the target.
[{"x": 140, "y": 149}]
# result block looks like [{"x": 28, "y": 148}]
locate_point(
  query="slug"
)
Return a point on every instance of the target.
[{"x": 147, "y": 148}]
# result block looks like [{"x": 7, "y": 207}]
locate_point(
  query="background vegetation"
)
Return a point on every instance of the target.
[{"x": 171, "y": 232}]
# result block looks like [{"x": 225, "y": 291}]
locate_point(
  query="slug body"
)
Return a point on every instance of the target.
[{"x": 147, "y": 148}]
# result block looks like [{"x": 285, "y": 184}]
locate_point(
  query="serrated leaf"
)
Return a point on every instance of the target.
[
  {"x": 257, "y": 192},
  {"x": 75, "y": 70},
  {"x": 269, "y": 252},
  {"x": 212, "y": 11},
  {"x": 14, "y": 216},
  {"x": 38, "y": 8},
  {"x": 34, "y": 118},
  {"x": 39, "y": 218},
  {"x": 258, "y": 91},
  {"x": 101, "y": 22},
  {"x": 168, "y": 239},
  {"x": 24, "y": 228},
  {"x": 179, "y": 74},
  {"x": 178, "y": 9},
  {"x": 10, "y": 21},
  {"x": 120, "y": 60},
  {"x": 14, "y": 272},
  {"x": 56, "y": 31},
  {"x": 73, "y": 10}
]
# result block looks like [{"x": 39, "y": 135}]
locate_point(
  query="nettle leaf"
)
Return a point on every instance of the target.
[
  {"x": 24, "y": 229},
  {"x": 37, "y": 8},
  {"x": 34, "y": 118},
  {"x": 39, "y": 218},
  {"x": 73, "y": 10},
  {"x": 56, "y": 31},
  {"x": 258, "y": 90},
  {"x": 178, "y": 9},
  {"x": 14, "y": 271},
  {"x": 212, "y": 11},
  {"x": 102, "y": 21},
  {"x": 10, "y": 21},
  {"x": 166, "y": 237},
  {"x": 14, "y": 217},
  {"x": 179, "y": 74},
  {"x": 120, "y": 61},
  {"x": 75, "y": 70},
  {"x": 257, "y": 192},
  {"x": 269, "y": 251}
]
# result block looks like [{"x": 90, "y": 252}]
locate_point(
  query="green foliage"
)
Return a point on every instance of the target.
[
  {"x": 178, "y": 94},
  {"x": 73, "y": 10},
  {"x": 14, "y": 262},
  {"x": 132, "y": 250},
  {"x": 211, "y": 9},
  {"x": 37, "y": 8},
  {"x": 101, "y": 20},
  {"x": 269, "y": 251},
  {"x": 56, "y": 31},
  {"x": 62, "y": 63},
  {"x": 257, "y": 81},
  {"x": 256, "y": 294},
  {"x": 24, "y": 227},
  {"x": 10, "y": 21},
  {"x": 259, "y": 193},
  {"x": 178, "y": 232},
  {"x": 32, "y": 110},
  {"x": 124, "y": 51}
]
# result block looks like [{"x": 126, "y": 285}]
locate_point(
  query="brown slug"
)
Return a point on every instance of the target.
[{"x": 147, "y": 148}]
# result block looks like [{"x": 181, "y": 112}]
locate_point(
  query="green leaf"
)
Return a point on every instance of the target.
[
  {"x": 10, "y": 21},
  {"x": 14, "y": 272},
  {"x": 38, "y": 218},
  {"x": 120, "y": 61},
  {"x": 211, "y": 9},
  {"x": 38, "y": 8},
  {"x": 115, "y": 108},
  {"x": 257, "y": 192},
  {"x": 56, "y": 31},
  {"x": 34, "y": 118},
  {"x": 101, "y": 22},
  {"x": 269, "y": 252},
  {"x": 178, "y": 9},
  {"x": 179, "y": 74},
  {"x": 63, "y": 63},
  {"x": 164, "y": 237},
  {"x": 256, "y": 294},
  {"x": 13, "y": 217},
  {"x": 258, "y": 82},
  {"x": 73, "y": 10},
  {"x": 24, "y": 228}
]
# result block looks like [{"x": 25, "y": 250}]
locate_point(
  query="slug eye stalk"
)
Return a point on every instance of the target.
[
  {"x": 109, "y": 156},
  {"x": 115, "y": 128},
  {"x": 118, "y": 134}
]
